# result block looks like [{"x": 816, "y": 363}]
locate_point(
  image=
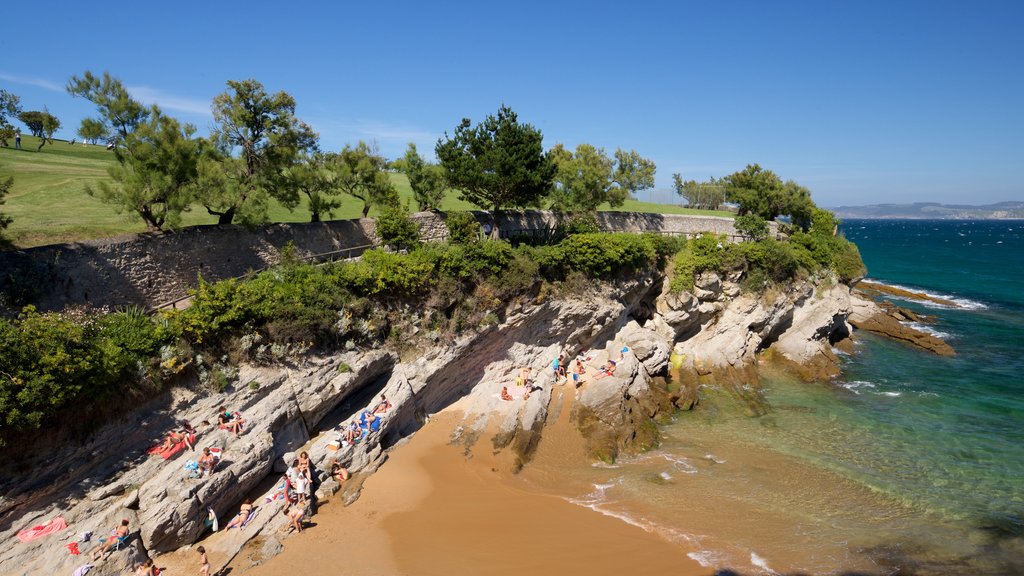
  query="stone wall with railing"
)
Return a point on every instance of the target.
[{"x": 151, "y": 270}]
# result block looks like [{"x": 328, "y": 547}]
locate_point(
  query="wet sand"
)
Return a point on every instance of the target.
[{"x": 434, "y": 509}]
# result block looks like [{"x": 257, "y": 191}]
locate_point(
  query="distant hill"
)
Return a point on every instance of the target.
[{"x": 934, "y": 211}]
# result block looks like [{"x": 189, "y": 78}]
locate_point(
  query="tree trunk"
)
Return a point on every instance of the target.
[
  {"x": 366, "y": 209},
  {"x": 227, "y": 216},
  {"x": 494, "y": 223},
  {"x": 314, "y": 217}
]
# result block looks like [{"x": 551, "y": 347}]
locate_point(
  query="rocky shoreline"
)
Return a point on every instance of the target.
[{"x": 711, "y": 334}]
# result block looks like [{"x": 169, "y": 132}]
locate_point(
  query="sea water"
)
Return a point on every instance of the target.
[{"x": 909, "y": 463}]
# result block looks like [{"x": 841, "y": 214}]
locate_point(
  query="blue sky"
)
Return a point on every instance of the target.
[{"x": 863, "y": 102}]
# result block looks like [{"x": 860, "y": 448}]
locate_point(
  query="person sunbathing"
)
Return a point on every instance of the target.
[
  {"x": 119, "y": 533},
  {"x": 504, "y": 394},
  {"x": 368, "y": 419},
  {"x": 607, "y": 370},
  {"x": 206, "y": 462},
  {"x": 383, "y": 406},
  {"x": 243, "y": 514},
  {"x": 172, "y": 439},
  {"x": 230, "y": 421}
]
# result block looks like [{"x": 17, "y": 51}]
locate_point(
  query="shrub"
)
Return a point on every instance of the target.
[
  {"x": 704, "y": 253},
  {"x": 463, "y": 227},
  {"x": 396, "y": 228},
  {"x": 52, "y": 362},
  {"x": 580, "y": 223},
  {"x": 751, "y": 227}
]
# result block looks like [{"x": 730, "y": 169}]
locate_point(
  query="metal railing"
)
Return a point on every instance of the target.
[{"x": 349, "y": 253}]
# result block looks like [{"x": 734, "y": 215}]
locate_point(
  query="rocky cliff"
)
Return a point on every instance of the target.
[{"x": 713, "y": 332}]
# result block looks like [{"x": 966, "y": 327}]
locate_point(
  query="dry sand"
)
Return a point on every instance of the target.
[{"x": 434, "y": 509}]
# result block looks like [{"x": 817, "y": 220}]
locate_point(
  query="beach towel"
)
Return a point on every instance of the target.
[
  {"x": 73, "y": 549},
  {"x": 188, "y": 441},
  {"x": 55, "y": 525}
]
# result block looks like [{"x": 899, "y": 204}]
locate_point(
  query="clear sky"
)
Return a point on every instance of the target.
[{"x": 861, "y": 101}]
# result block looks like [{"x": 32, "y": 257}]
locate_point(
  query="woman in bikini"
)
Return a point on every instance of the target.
[
  {"x": 383, "y": 406},
  {"x": 243, "y": 514},
  {"x": 121, "y": 532}
]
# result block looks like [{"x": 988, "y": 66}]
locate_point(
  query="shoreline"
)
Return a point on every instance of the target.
[{"x": 437, "y": 508}]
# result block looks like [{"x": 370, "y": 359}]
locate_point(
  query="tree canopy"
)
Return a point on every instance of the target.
[
  {"x": 156, "y": 170},
  {"x": 362, "y": 172},
  {"x": 498, "y": 163},
  {"x": 10, "y": 106},
  {"x": 33, "y": 120},
  {"x": 633, "y": 172},
  {"x": 257, "y": 137},
  {"x": 426, "y": 180},
  {"x": 702, "y": 195},
  {"x": 116, "y": 106},
  {"x": 761, "y": 192},
  {"x": 315, "y": 176},
  {"x": 92, "y": 129},
  {"x": 50, "y": 124}
]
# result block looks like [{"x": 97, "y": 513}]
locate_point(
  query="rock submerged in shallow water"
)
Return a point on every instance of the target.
[{"x": 871, "y": 317}]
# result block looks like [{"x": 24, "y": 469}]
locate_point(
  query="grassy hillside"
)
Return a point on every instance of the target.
[{"x": 49, "y": 203}]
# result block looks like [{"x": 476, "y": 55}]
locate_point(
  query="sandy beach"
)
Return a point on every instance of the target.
[{"x": 436, "y": 508}]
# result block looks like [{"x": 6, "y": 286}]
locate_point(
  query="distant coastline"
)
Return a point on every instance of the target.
[{"x": 934, "y": 211}]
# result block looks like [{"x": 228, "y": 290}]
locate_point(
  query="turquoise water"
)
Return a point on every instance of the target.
[
  {"x": 910, "y": 463},
  {"x": 956, "y": 431}
]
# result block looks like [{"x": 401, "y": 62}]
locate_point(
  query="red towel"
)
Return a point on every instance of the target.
[
  {"x": 55, "y": 525},
  {"x": 165, "y": 454},
  {"x": 73, "y": 548}
]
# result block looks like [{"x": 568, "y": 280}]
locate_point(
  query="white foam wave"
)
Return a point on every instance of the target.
[
  {"x": 891, "y": 394},
  {"x": 920, "y": 327},
  {"x": 705, "y": 558},
  {"x": 713, "y": 459},
  {"x": 856, "y": 385},
  {"x": 680, "y": 464},
  {"x": 965, "y": 303},
  {"x": 761, "y": 563}
]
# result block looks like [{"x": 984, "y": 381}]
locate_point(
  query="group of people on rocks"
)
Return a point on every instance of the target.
[{"x": 560, "y": 372}]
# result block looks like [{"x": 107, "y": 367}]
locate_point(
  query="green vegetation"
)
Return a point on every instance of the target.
[
  {"x": 761, "y": 192},
  {"x": 55, "y": 364},
  {"x": 762, "y": 262},
  {"x": 10, "y": 107},
  {"x": 588, "y": 178},
  {"x": 497, "y": 164}
]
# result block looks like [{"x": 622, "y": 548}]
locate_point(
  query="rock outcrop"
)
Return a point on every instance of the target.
[
  {"x": 869, "y": 316},
  {"x": 713, "y": 334}
]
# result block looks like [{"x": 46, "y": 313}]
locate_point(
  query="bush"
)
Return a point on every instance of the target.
[
  {"x": 50, "y": 363},
  {"x": 396, "y": 228},
  {"x": 463, "y": 227},
  {"x": 709, "y": 252},
  {"x": 751, "y": 227}
]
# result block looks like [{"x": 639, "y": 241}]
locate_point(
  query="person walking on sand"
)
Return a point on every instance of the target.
[{"x": 204, "y": 562}]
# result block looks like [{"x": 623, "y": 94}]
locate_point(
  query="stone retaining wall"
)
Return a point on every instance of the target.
[{"x": 153, "y": 269}]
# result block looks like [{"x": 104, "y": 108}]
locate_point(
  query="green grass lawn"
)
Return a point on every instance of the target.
[{"x": 49, "y": 204}]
